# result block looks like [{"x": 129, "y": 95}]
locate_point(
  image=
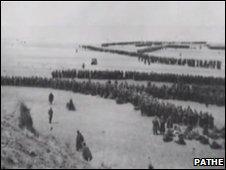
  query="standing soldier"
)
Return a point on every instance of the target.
[
  {"x": 79, "y": 141},
  {"x": 50, "y": 115},
  {"x": 86, "y": 153},
  {"x": 51, "y": 97},
  {"x": 162, "y": 125},
  {"x": 169, "y": 122},
  {"x": 155, "y": 123}
]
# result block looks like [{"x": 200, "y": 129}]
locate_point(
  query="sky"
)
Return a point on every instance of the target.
[{"x": 91, "y": 22}]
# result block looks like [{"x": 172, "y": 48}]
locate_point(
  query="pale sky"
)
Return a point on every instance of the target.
[{"x": 113, "y": 21}]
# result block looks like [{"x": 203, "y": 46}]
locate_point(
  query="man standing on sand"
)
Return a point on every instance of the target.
[
  {"x": 162, "y": 125},
  {"x": 79, "y": 141},
  {"x": 155, "y": 123},
  {"x": 51, "y": 97},
  {"x": 83, "y": 65},
  {"x": 169, "y": 122},
  {"x": 50, "y": 115}
]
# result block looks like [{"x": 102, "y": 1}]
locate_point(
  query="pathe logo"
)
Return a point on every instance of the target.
[{"x": 208, "y": 162}]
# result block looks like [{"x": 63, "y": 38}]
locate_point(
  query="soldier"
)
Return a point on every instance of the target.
[
  {"x": 180, "y": 140},
  {"x": 215, "y": 145},
  {"x": 169, "y": 123},
  {"x": 79, "y": 141},
  {"x": 155, "y": 123},
  {"x": 168, "y": 136},
  {"x": 50, "y": 115},
  {"x": 162, "y": 125},
  {"x": 70, "y": 105},
  {"x": 51, "y": 97},
  {"x": 83, "y": 65},
  {"x": 86, "y": 153}
]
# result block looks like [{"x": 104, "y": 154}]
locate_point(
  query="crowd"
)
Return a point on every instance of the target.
[
  {"x": 202, "y": 94},
  {"x": 149, "y": 49},
  {"x": 155, "y": 47},
  {"x": 148, "y": 59},
  {"x": 135, "y": 75},
  {"x": 216, "y": 47},
  {"x": 122, "y": 93},
  {"x": 121, "y": 43},
  {"x": 212, "y": 64}
]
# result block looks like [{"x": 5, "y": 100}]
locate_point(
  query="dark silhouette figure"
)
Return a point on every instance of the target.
[
  {"x": 50, "y": 115},
  {"x": 162, "y": 125},
  {"x": 79, "y": 141},
  {"x": 86, "y": 153},
  {"x": 70, "y": 105},
  {"x": 25, "y": 119},
  {"x": 180, "y": 140},
  {"x": 51, "y": 98},
  {"x": 94, "y": 61},
  {"x": 155, "y": 123}
]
